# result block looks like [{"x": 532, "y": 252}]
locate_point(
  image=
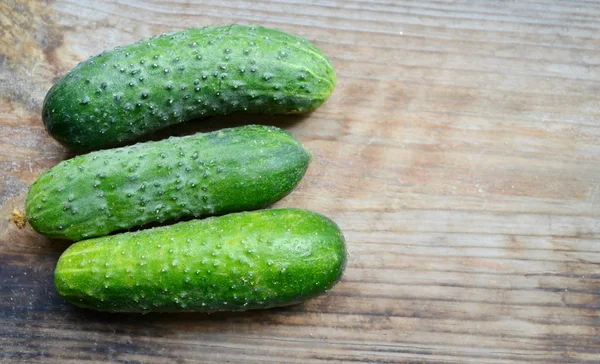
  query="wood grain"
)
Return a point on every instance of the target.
[{"x": 460, "y": 153}]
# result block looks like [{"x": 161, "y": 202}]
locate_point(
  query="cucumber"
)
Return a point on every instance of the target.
[
  {"x": 235, "y": 262},
  {"x": 127, "y": 92},
  {"x": 230, "y": 170}
]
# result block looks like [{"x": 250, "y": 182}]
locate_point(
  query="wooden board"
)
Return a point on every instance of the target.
[{"x": 460, "y": 153}]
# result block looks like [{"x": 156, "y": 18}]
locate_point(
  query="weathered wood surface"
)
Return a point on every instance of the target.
[{"x": 460, "y": 153}]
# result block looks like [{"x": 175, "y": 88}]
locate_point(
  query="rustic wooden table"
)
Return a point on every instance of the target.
[{"x": 460, "y": 153}]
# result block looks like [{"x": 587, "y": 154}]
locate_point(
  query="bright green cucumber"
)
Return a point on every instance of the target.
[
  {"x": 229, "y": 170},
  {"x": 132, "y": 90},
  {"x": 235, "y": 262}
]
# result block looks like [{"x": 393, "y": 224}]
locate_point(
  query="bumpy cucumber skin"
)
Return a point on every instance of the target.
[
  {"x": 235, "y": 262},
  {"x": 130, "y": 91},
  {"x": 230, "y": 170}
]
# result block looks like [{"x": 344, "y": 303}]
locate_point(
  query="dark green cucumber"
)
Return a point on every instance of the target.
[
  {"x": 235, "y": 262},
  {"x": 132, "y": 90},
  {"x": 229, "y": 170}
]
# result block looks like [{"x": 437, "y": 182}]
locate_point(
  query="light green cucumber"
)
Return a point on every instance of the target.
[
  {"x": 225, "y": 171},
  {"x": 115, "y": 97},
  {"x": 235, "y": 262}
]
